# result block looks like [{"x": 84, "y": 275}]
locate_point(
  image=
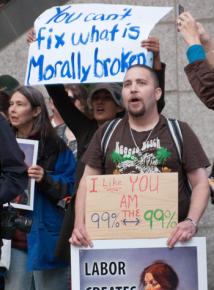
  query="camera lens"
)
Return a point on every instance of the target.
[{"x": 23, "y": 223}]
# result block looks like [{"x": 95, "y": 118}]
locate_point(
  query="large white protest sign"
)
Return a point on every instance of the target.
[
  {"x": 121, "y": 264},
  {"x": 86, "y": 43}
]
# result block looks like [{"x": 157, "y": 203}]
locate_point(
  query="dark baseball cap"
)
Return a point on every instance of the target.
[{"x": 8, "y": 84}]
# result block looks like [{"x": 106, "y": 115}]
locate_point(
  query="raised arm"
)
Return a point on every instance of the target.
[
  {"x": 152, "y": 44},
  {"x": 194, "y": 34},
  {"x": 74, "y": 118},
  {"x": 200, "y": 53}
]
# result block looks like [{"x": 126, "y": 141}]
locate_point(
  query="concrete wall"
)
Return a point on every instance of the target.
[{"x": 180, "y": 100}]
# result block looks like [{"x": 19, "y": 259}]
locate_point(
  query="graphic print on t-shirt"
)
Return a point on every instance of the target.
[{"x": 150, "y": 158}]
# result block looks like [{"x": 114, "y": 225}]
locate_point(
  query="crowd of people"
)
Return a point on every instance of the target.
[{"x": 70, "y": 150}]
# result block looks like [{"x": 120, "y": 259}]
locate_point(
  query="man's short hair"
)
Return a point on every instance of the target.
[{"x": 151, "y": 70}]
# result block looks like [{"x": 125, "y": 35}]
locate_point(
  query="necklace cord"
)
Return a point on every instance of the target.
[{"x": 133, "y": 139}]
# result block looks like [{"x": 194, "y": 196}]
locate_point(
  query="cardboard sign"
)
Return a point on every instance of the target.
[
  {"x": 86, "y": 43},
  {"x": 131, "y": 205}
]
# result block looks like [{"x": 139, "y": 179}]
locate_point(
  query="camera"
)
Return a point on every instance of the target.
[{"x": 12, "y": 220}]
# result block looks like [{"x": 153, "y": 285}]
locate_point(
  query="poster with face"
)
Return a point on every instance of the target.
[
  {"x": 30, "y": 150},
  {"x": 140, "y": 264}
]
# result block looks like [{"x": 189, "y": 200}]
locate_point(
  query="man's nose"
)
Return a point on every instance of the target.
[
  {"x": 133, "y": 87},
  {"x": 12, "y": 108}
]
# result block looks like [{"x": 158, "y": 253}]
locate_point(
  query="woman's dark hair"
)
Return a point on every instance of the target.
[
  {"x": 42, "y": 127},
  {"x": 4, "y": 102},
  {"x": 163, "y": 273}
]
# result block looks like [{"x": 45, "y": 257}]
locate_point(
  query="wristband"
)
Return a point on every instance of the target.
[
  {"x": 192, "y": 222},
  {"x": 195, "y": 52}
]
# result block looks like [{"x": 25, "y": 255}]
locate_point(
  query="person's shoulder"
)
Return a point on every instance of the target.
[
  {"x": 183, "y": 125},
  {"x": 2, "y": 117},
  {"x": 5, "y": 126},
  {"x": 111, "y": 124}
]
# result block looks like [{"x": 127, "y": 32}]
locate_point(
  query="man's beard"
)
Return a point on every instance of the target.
[{"x": 137, "y": 113}]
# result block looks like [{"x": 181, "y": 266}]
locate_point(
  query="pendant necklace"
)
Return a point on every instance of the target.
[{"x": 134, "y": 141}]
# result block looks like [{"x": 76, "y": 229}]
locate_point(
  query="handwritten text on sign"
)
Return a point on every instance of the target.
[
  {"x": 131, "y": 206},
  {"x": 89, "y": 42}
]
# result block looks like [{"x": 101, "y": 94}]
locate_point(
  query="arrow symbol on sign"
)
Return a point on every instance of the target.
[{"x": 136, "y": 222}]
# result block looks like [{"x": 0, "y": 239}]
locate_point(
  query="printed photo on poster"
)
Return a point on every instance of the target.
[
  {"x": 137, "y": 264},
  {"x": 30, "y": 149}
]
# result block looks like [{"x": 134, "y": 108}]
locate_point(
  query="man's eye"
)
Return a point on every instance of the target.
[{"x": 142, "y": 82}]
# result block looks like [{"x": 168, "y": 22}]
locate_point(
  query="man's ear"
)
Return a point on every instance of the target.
[
  {"x": 37, "y": 111},
  {"x": 158, "y": 93}
]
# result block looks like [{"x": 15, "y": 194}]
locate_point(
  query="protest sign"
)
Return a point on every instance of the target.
[
  {"x": 119, "y": 264},
  {"x": 30, "y": 150},
  {"x": 87, "y": 43},
  {"x": 131, "y": 205}
]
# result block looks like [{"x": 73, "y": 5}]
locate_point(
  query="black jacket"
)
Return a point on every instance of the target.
[{"x": 13, "y": 171}]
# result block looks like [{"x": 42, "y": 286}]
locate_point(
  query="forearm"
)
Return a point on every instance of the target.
[
  {"x": 199, "y": 201},
  {"x": 80, "y": 203},
  {"x": 201, "y": 78},
  {"x": 157, "y": 63},
  {"x": 210, "y": 57},
  {"x": 195, "y": 35},
  {"x": 161, "y": 78},
  {"x": 11, "y": 185},
  {"x": 186, "y": 229},
  {"x": 62, "y": 102},
  {"x": 59, "y": 183},
  {"x": 73, "y": 117},
  {"x": 53, "y": 189}
]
